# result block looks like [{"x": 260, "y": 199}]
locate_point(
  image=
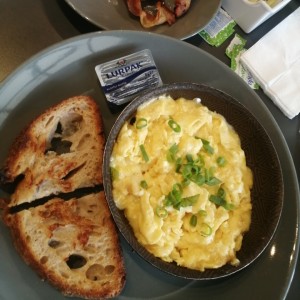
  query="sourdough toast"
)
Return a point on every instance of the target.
[
  {"x": 59, "y": 152},
  {"x": 72, "y": 244}
]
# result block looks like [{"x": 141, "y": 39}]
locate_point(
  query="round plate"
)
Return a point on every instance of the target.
[
  {"x": 261, "y": 157},
  {"x": 67, "y": 69},
  {"x": 114, "y": 14}
]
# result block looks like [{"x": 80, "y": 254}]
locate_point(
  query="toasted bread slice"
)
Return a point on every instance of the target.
[
  {"x": 59, "y": 152},
  {"x": 72, "y": 244}
]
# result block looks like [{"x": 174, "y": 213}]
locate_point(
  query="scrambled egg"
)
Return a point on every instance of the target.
[{"x": 180, "y": 176}]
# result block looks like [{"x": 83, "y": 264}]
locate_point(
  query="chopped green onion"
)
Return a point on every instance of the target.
[
  {"x": 185, "y": 182},
  {"x": 217, "y": 200},
  {"x": 189, "y": 158},
  {"x": 210, "y": 179},
  {"x": 207, "y": 147},
  {"x": 207, "y": 230},
  {"x": 199, "y": 180},
  {"x": 220, "y": 200},
  {"x": 161, "y": 212},
  {"x": 141, "y": 123},
  {"x": 229, "y": 206},
  {"x": 221, "y": 193},
  {"x": 192, "y": 172},
  {"x": 171, "y": 154},
  {"x": 202, "y": 213},
  {"x": 144, "y": 184},
  {"x": 175, "y": 126},
  {"x": 189, "y": 201},
  {"x": 213, "y": 181},
  {"x": 193, "y": 220},
  {"x": 221, "y": 161},
  {"x": 178, "y": 164},
  {"x": 177, "y": 187},
  {"x": 192, "y": 169},
  {"x": 174, "y": 198},
  {"x": 114, "y": 173},
  {"x": 174, "y": 148},
  {"x": 144, "y": 153},
  {"x": 200, "y": 161}
]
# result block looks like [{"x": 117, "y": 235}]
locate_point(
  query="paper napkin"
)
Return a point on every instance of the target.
[{"x": 274, "y": 62}]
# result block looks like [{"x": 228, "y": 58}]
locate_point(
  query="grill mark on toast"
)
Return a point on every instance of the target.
[{"x": 65, "y": 196}]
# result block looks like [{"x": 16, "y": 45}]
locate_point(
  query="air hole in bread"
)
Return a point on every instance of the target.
[
  {"x": 109, "y": 269},
  {"x": 71, "y": 124},
  {"x": 59, "y": 146},
  {"x": 76, "y": 261},
  {"x": 49, "y": 121},
  {"x": 54, "y": 244},
  {"x": 7, "y": 186},
  {"x": 44, "y": 259},
  {"x": 73, "y": 172},
  {"x": 92, "y": 208},
  {"x": 58, "y": 128},
  {"x": 95, "y": 272}
]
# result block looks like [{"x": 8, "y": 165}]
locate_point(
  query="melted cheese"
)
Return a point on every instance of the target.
[{"x": 218, "y": 234}]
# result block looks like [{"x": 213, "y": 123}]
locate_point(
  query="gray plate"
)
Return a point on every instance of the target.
[
  {"x": 67, "y": 69},
  {"x": 114, "y": 15}
]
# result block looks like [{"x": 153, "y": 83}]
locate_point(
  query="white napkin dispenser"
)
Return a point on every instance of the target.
[{"x": 250, "y": 14}]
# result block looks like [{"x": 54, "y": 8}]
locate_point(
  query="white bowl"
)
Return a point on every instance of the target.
[{"x": 248, "y": 15}]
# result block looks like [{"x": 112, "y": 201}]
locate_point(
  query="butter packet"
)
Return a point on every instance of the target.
[
  {"x": 219, "y": 29},
  {"x": 234, "y": 51},
  {"x": 235, "y": 46},
  {"x": 123, "y": 78}
]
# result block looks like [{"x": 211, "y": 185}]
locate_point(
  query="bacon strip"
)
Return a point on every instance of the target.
[
  {"x": 135, "y": 7},
  {"x": 181, "y": 7},
  {"x": 161, "y": 13}
]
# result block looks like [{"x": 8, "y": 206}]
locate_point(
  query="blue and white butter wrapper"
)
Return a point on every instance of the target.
[{"x": 123, "y": 78}]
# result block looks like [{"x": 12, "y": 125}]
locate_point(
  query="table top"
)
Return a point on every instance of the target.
[{"x": 27, "y": 27}]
